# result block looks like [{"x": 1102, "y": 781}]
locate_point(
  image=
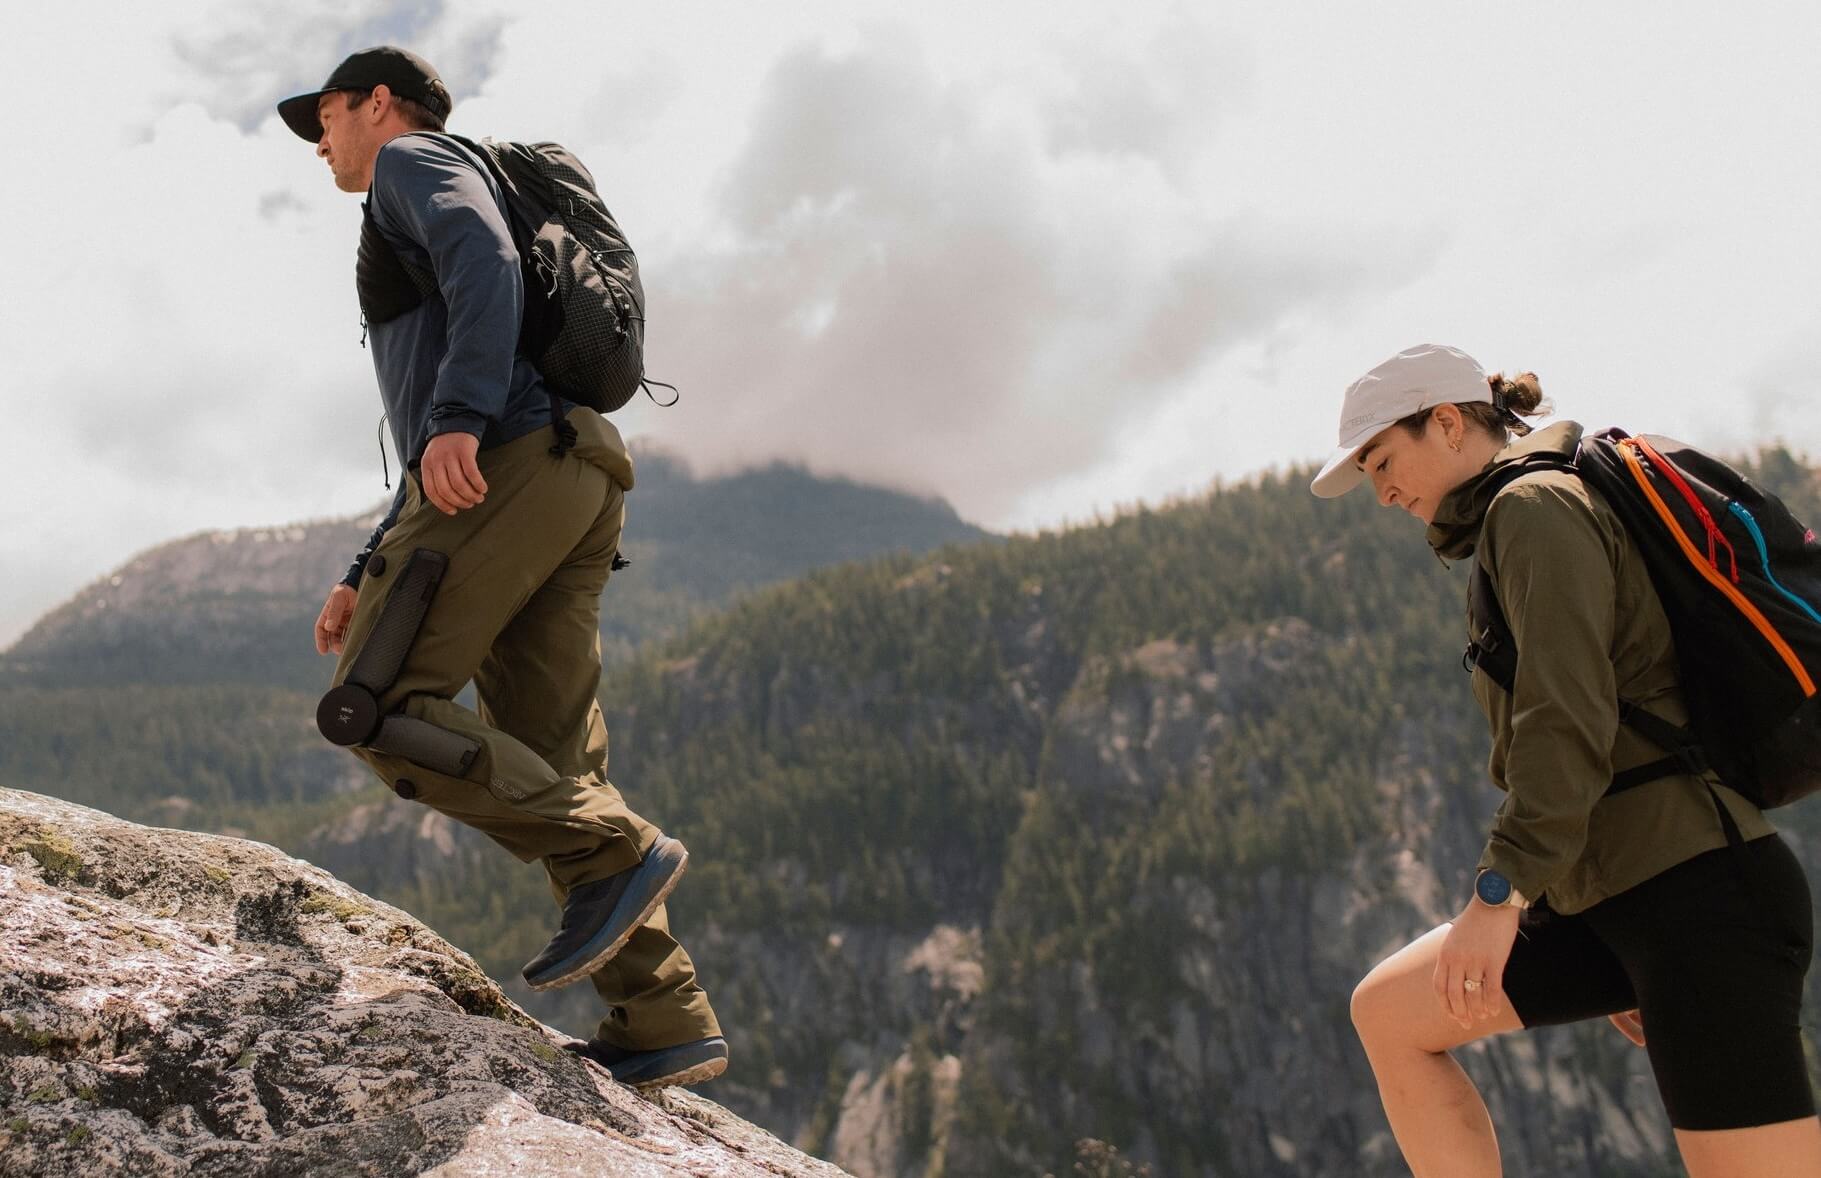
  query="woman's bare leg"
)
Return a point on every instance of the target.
[
  {"x": 1767, "y": 1151},
  {"x": 1440, "y": 1122}
]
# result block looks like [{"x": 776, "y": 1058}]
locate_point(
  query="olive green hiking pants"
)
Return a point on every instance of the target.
[{"x": 517, "y": 612}]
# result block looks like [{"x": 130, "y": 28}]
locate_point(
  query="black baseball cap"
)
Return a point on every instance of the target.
[{"x": 398, "y": 70}]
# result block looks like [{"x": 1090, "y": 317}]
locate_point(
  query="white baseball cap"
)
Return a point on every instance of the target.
[{"x": 1409, "y": 382}]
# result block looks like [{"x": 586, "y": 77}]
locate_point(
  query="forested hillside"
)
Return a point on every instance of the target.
[
  {"x": 238, "y": 606},
  {"x": 1080, "y": 835}
]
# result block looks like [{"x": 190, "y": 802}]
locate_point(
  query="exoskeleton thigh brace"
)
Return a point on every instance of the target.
[{"x": 349, "y": 714}]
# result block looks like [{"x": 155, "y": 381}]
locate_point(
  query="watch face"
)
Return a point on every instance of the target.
[{"x": 1492, "y": 887}]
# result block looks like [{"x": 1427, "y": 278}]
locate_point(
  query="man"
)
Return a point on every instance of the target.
[{"x": 489, "y": 567}]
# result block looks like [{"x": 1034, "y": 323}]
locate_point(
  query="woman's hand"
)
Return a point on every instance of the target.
[
  {"x": 1630, "y": 1025},
  {"x": 1476, "y": 949}
]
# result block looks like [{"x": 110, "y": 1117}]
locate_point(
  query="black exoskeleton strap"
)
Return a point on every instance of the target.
[
  {"x": 383, "y": 652},
  {"x": 438, "y": 749},
  {"x": 349, "y": 713}
]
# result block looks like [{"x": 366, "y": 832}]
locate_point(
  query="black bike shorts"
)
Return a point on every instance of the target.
[{"x": 1712, "y": 953}]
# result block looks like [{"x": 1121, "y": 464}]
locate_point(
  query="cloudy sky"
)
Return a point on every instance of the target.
[{"x": 1040, "y": 259}]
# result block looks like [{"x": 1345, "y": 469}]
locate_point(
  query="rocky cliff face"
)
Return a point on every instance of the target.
[
  {"x": 1215, "y": 1039},
  {"x": 175, "y": 1003},
  {"x": 1222, "y": 1034}
]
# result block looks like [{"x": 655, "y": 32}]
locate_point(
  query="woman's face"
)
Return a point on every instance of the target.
[{"x": 1415, "y": 471}]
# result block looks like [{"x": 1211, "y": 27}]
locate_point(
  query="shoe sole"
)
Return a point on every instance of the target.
[
  {"x": 699, "y": 1074},
  {"x": 584, "y": 966}
]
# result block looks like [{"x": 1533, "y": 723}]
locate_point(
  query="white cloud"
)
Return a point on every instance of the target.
[
  {"x": 239, "y": 58},
  {"x": 947, "y": 286}
]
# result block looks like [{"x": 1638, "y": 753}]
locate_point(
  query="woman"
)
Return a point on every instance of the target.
[{"x": 1632, "y": 906}]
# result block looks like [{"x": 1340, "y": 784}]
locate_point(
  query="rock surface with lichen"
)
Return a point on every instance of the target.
[{"x": 175, "y": 1003}]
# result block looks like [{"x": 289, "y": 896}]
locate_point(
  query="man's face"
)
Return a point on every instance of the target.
[{"x": 347, "y": 142}]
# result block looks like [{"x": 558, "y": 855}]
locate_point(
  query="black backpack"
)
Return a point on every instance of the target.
[
  {"x": 1740, "y": 580},
  {"x": 584, "y": 320}
]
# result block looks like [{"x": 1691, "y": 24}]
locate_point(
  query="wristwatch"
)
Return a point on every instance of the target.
[{"x": 1492, "y": 889}]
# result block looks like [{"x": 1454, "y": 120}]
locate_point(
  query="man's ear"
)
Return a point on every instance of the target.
[{"x": 379, "y": 101}]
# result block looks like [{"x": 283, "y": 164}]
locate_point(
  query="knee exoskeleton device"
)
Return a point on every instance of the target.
[{"x": 349, "y": 714}]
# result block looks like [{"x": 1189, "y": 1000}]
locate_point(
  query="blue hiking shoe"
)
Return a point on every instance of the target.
[
  {"x": 599, "y": 917},
  {"x": 667, "y": 1067}
]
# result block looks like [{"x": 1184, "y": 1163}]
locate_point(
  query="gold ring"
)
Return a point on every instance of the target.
[{"x": 1472, "y": 983}]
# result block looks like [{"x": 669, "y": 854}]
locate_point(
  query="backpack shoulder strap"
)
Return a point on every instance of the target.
[
  {"x": 1493, "y": 649},
  {"x": 1491, "y": 646},
  {"x": 386, "y": 283}
]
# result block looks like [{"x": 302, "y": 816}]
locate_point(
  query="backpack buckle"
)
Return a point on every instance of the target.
[{"x": 1478, "y": 649}]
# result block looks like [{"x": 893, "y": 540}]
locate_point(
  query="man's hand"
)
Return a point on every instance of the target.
[
  {"x": 1630, "y": 1025},
  {"x": 1476, "y": 949},
  {"x": 451, "y": 478},
  {"x": 332, "y": 622}
]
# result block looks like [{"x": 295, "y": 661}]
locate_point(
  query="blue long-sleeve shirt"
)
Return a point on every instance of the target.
[{"x": 452, "y": 362}]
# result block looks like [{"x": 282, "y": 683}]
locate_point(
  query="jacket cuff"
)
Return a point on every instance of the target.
[{"x": 458, "y": 422}]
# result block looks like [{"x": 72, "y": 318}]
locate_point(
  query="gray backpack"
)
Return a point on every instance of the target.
[{"x": 584, "y": 320}]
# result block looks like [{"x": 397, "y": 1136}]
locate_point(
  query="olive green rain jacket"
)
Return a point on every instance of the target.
[{"x": 1589, "y": 628}]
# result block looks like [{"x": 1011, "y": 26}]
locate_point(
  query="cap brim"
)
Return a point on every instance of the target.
[
  {"x": 1338, "y": 475},
  {"x": 299, "y": 114}
]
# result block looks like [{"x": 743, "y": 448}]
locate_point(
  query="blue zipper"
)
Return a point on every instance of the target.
[{"x": 1757, "y": 537}]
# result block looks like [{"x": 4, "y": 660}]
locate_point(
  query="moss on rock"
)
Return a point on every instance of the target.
[{"x": 56, "y": 855}]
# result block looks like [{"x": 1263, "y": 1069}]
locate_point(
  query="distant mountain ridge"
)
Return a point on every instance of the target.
[{"x": 238, "y": 606}]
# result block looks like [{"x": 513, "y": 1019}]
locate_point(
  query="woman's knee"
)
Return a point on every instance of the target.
[
  {"x": 1394, "y": 1006},
  {"x": 1373, "y": 1008}
]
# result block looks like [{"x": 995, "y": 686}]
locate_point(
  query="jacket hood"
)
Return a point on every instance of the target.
[{"x": 1456, "y": 528}]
